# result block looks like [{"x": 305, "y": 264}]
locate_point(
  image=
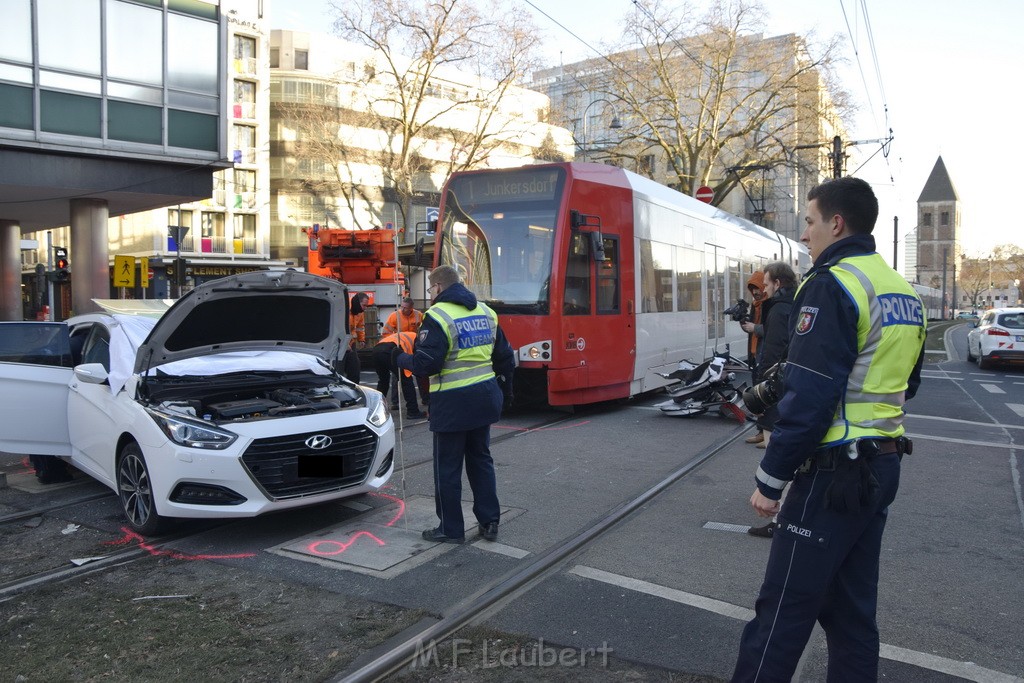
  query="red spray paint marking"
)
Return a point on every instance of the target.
[
  {"x": 130, "y": 537},
  {"x": 337, "y": 547},
  {"x": 541, "y": 429}
]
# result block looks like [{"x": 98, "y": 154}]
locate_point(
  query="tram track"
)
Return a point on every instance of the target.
[{"x": 521, "y": 579}]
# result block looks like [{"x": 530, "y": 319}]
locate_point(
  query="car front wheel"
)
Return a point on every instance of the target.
[
  {"x": 970, "y": 356},
  {"x": 136, "y": 493}
]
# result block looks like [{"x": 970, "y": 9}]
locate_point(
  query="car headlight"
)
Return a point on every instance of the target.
[
  {"x": 192, "y": 433},
  {"x": 377, "y": 408}
]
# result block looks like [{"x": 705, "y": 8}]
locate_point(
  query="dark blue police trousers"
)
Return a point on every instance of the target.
[
  {"x": 451, "y": 449},
  {"x": 823, "y": 566}
]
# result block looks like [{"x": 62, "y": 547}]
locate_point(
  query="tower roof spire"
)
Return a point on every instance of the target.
[{"x": 939, "y": 187}]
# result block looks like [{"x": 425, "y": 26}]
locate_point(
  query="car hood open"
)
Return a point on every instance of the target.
[{"x": 262, "y": 310}]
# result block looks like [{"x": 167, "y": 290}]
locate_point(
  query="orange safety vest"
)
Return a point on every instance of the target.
[
  {"x": 405, "y": 341},
  {"x": 412, "y": 322}
]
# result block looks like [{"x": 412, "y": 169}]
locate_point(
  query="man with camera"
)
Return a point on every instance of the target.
[{"x": 855, "y": 357}]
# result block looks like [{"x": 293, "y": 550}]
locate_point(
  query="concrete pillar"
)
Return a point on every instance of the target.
[
  {"x": 10, "y": 271},
  {"x": 90, "y": 263}
]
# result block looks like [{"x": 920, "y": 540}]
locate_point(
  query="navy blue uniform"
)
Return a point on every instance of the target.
[
  {"x": 461, "y": 420},
  {"x": 823, "y": 564}
]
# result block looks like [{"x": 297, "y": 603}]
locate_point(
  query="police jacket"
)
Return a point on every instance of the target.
[
  {"x": 832, "y": 339},
  {"x": 456, "y": 405},
  {"x": 775, "y": 312}
]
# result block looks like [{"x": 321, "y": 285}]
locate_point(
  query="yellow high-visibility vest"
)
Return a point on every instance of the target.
[
  {"x": 891, "y": 325},
  {"x": 471, "y": 336}
]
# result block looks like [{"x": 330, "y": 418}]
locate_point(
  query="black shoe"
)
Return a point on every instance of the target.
[
  {"x": 766, "y": 531},
  {"x": 489, "y": 532},
  {"x": 415, "y": 415},
  {"x": 436, "y": 536}
]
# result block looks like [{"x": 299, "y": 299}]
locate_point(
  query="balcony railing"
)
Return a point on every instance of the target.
[{"x": 217, "y": 244}]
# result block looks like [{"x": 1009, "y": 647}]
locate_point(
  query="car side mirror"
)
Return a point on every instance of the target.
[{"x": 91, "y": 373}]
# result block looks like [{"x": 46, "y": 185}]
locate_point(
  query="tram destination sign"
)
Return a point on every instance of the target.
[{"x": 515, "y": 186}]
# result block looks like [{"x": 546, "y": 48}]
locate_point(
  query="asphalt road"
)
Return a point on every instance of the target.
[{"x": 672, "y": 585}]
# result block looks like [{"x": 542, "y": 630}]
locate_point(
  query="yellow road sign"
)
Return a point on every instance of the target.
[
  {"x": 143, "y": 272},
  {"x": 124, "y": 271}
]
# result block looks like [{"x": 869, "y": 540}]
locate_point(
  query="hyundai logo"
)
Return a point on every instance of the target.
[{"x": 319, "y": 442}]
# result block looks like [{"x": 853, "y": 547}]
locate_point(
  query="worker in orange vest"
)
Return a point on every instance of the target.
[
  {"x": 405, "y": 319},
  {"x": 382, "y": 353},
  {"x": 357, "y": 340}
]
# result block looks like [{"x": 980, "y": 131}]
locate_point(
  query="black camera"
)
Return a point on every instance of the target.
[
  {"x": 738, "y": 311},
  {"x": 767, "y": 392}
]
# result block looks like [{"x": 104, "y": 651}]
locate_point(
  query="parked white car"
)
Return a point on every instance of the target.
[
  {"x": 998, "y": 337},
  {"x": 228, "y": 405}
]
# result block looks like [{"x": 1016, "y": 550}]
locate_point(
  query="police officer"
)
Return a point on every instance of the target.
[
  {"x": 854, "y": 357},
  {"x": 470, "y": 364}
]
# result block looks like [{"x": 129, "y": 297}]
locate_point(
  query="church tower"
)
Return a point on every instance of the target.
[{"x": 938, "y": 229}]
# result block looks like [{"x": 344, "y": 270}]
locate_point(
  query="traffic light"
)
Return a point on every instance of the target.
[{"x": 61, "y": 265}]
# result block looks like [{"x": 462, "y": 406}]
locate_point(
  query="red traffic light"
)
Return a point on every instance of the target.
[{"x": 62, "y": 264}]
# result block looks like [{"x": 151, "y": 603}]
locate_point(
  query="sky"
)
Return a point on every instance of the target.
[{"x": 943, "y": 75}]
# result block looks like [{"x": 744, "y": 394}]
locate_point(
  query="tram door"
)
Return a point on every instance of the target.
[
  {"x": 597, "y": 332},
  {"x": 715, "y": 264}
]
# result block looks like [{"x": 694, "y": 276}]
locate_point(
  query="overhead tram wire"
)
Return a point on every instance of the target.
[{"x": 867, "y": 90}]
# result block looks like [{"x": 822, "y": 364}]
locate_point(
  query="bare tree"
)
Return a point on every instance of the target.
[
  {"x": 1008, "y": 260},
  {"x": 429, "y": 121},
  {"x": 973, "y": 280},
  {"x": 715, "y": 99}
]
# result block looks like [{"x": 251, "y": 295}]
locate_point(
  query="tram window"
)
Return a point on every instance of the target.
[
  {"x": 608, "y": 277},
  {"x": 655, "y": 277},
  {"x": 576, "y": 299},
  {"x": 688, "y": 279}
]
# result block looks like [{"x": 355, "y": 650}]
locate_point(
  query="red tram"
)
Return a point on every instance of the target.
[{"x": 600, "y": 277}]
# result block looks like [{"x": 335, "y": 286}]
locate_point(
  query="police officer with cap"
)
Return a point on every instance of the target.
[
  {"x": 855, "y": 357},
  {"x": 470, "y": 365}
]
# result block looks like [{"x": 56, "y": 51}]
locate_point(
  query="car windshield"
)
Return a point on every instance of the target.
[{"x": 498, "y": 231}]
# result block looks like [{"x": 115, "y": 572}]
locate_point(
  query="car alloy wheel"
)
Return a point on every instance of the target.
[{"x": 135, "y": 491}]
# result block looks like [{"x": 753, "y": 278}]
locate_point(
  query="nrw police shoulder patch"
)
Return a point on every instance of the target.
[{"x": 805, "y": 321}]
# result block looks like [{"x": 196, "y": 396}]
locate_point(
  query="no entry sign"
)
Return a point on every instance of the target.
[{"x": 705, "y": 194}]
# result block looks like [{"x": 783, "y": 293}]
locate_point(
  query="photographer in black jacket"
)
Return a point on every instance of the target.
[{"x": 779, "y": 285}]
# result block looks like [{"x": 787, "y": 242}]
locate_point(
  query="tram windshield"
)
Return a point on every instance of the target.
[{"x": 498, "y": 230}]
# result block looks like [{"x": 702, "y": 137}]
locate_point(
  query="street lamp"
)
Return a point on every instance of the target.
[{"x": 615, "y": 124}]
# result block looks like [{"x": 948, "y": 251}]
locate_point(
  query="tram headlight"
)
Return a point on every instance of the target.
[{"x": 536, "y": 351}]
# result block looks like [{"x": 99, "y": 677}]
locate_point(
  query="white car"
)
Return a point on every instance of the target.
[
  {"x": 226, "y": 406},
  {"x": 998, "y": 337}
]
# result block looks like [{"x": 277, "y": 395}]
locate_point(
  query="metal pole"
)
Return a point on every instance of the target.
[
  {"x": 945, "y": 255},
  {"x": 49, "y": 269},
  {"x": 895, "y": 240}
]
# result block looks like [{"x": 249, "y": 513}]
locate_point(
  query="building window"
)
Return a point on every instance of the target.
[
  {"x": 275, "y": 57},
  {"x": 244, "y": 149},
  {"x": 176, "y": 218},
  {"x": 212, "y": 239},
  {"x": 245, "y": 55},
  {"x": 944, "y": 218},
  {"x": 926, "y": 219},
  {"x": 245, "y": 100},
  {"x": 302, "y": 60}
]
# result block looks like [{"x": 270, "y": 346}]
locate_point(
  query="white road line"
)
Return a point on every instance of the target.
[
  {"x": 968, "y": 442},
  {"x": 1017, "y": 408},
  {"x": 722, "y": 526},
  {"x": 992, "y": 389},
  {"x": 501, "y": 549},
  {"x": 967, "y": 670},
  {"x": 912, "y": 416},
  {"x": 699, "y": 601}
]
